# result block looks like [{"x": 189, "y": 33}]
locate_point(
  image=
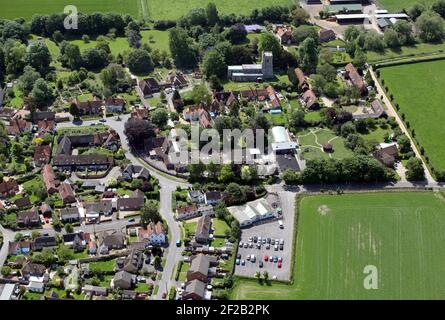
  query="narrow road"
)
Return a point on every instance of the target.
[{"x": 392, "y": 112}]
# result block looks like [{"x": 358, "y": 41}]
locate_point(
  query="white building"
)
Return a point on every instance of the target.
[
  {"x": 8, "y": 291},
  {"x": 281, "y": 141},
  {"x": 252, "y": 212}
]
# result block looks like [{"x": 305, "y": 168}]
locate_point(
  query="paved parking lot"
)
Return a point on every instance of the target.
[{"x": 270, "y": 230}]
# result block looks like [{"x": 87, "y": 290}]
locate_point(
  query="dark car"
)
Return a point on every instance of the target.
[
  {"x": 238, "y": 256},
  {"x": 261, "y": 264},
  {"x": 255, "y": 239},
  {"x": 281, "y": 246},
  {"x": 268, "y": 240}
]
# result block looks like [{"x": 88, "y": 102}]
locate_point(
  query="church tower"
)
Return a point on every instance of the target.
[{"x": 267, "y": 65}]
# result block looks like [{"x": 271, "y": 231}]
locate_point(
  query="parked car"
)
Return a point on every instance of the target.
[
  {"x": 280, "y": 259},
  {"x": 237, "y": 261},
  {"x": 280, "y": 264},
  {"x": 252, "y": 258},
  {"x": 281, "y": 247},
  {"x": 280, "y": 223},
  {"x": 281, "y": 241},
  {"x": 260, "y": 264},
  {"x": 238, "y": 255},
  {"x": 268, "y": 240},
  {"x": 248, "y": 257},
  {"x": 259, "y": 239},
  {"x": 275, "y": 259},
  {"x": 264, "y": 241},
  {"x": 251, "y": 245},
  {"x": 255, "y": 239},
  {"x": 243, "y": 262},
  {"x": 267, "y": 246},
  {"x": 276, "y": 247},
  {"x": 131, "y": 220},
  {"x": 241, "y": 244},
  {"x": 246, "y": 245},
  {"x": 266, "y": 258},
  {"x": 272, "y": 242},
  {"x": 250, "y": 239}
]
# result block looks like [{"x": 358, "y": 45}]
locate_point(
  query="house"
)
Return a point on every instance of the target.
[
  {"x": 94, "y": 290},
  {"x": 28, "y": 218},
  {"x": 46, "y": 210},
  {"x": 89, "y": 107},
  {"x": 123, "y": 280},
  {"x": 224, "y": 100},
  {"x": 355, "y": 78},
  {"x": 46, "y": 126},
  {"x": 149, "y": 86},
  {"x": 49, "y": 179},
  {"x": 33, "y": 270},
  {"x": 17, "y": 126},
  {"x": 44, "y": 242},
  {"x": 42, "y": 155},
  {"x": 203, "y": 229},
  {"x": 8, "y": 188},
  {"x": 326, "y": 35},
  {"x": 196, "y": 196},
  {"x": 111, "y": 239},
  {"x": 139, "y": 113},
  {"x": 67, "y": 193},
  {"x": 199, "y": 267},
  {"x": 135, "y": 172},
  {"x": 92, "y": 247},
  {"x": 35, "y": 286},
  {"x": 23, "y": 202},
  {"x": 154, "y": 233},
  {"x": 268, "y": 98},
  {"x": 194, "y": 290},
  {"x": 19, "y": 247},
  {"x": 75, "y": 241},
  {"x": 177, "y": 79},
  {"x": 212, "y": 197},
  {"x": 43, "y": 115},
  {"x": 113, "y": 105},
  {"x": 309, "y": 100},
  {"x": 387, "y": 155},
  {"x": 192, "y": 211},
  {"x": 94, "y": 209},
  {"x": 130, "y": 204},
  {"x": 253, "y": 72},
  {"x": 283, "y": 33},
  {"x": 7, "y": 113},
  {"x": 69, "y": 214},
  {"x": 302, "y": 82},
  {"x": 375, "y": 111},
  {"x": 133, "y": 262},
  {"x": 93, "y": 162}
]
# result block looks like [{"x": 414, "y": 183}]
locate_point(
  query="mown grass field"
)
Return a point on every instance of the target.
[
  {"x": 418, "y": 89},
  {"x": 27, "y": 8},
  {"x": 400, "y": 233},
  {"x": 398, "y": 5},
  {"x": 173, "y": 9}
]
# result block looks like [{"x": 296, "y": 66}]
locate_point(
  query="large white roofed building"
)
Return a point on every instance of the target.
[{"x": 281, "y": 141}]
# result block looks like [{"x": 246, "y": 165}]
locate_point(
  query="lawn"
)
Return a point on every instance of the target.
[
  {"x": 27, "y": 8},
  {"x": 173, "y": 9},
  {"x": 418, "y": 49},
  {"x": 106, "y": 265},
  {"x": 418, "y": 89},
  {"x": 183, "y": 273},
  {"x": 311, "y": 142},
  {"x": 220, "y": 226},
  {"x": 400, "y": 233},
  {"x": 398, "y": 5},
  {"x": 190, "y": 226}
]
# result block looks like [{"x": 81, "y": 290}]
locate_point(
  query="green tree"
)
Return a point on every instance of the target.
[
  {"x": 308, "y": 53},
  {"x": 430, "y": 27},
  {"x": 139, "y": 61},
  {"x": 200, "y": 94},
  {"x": 27, "y": 80},
  {"x": 268, "y": 42},
  {"x": 415, "y": 171},
  {"x": 150, "y": 213},
  {"x": 38, "y": 56},
  {"x": 69, "y": 228},
  {"x": 42, "y": 93},
  {"x": 159, "y": 117},
  {"x": 181, "y": 47},
  {"x": 226, "y": 173},
  {"x": 212, "y": 14},
  {"x": 213, "y": 64},
  {"x": 391, "y": 38}
]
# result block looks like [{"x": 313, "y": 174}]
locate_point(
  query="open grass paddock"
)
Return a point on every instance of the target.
[
  {"x": 27, "y": 8},
  {"x": 418, "y": 89},
  {"x": 400, "y": 233},
  {"x": 398, "y": 5}
]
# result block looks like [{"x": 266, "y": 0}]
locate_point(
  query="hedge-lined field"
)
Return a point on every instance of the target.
[
  {"x": 27, "y": 8},
  {"x": 400, "y": 233},
  {"x": 418, "y": 90},
  {"x": 398, "y": 5},
  {"x": 173, "y": 9}
]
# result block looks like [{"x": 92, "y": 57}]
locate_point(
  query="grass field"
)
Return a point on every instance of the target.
[
  {"x": 161, "y": 9},
  {"x": 418, "y": 89},
  {"x": 417, "y": 49},
  {"x": 400, "y": 233},
  {"x": 398, "y": 5},
  {"x": 27, "y": 8}
]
